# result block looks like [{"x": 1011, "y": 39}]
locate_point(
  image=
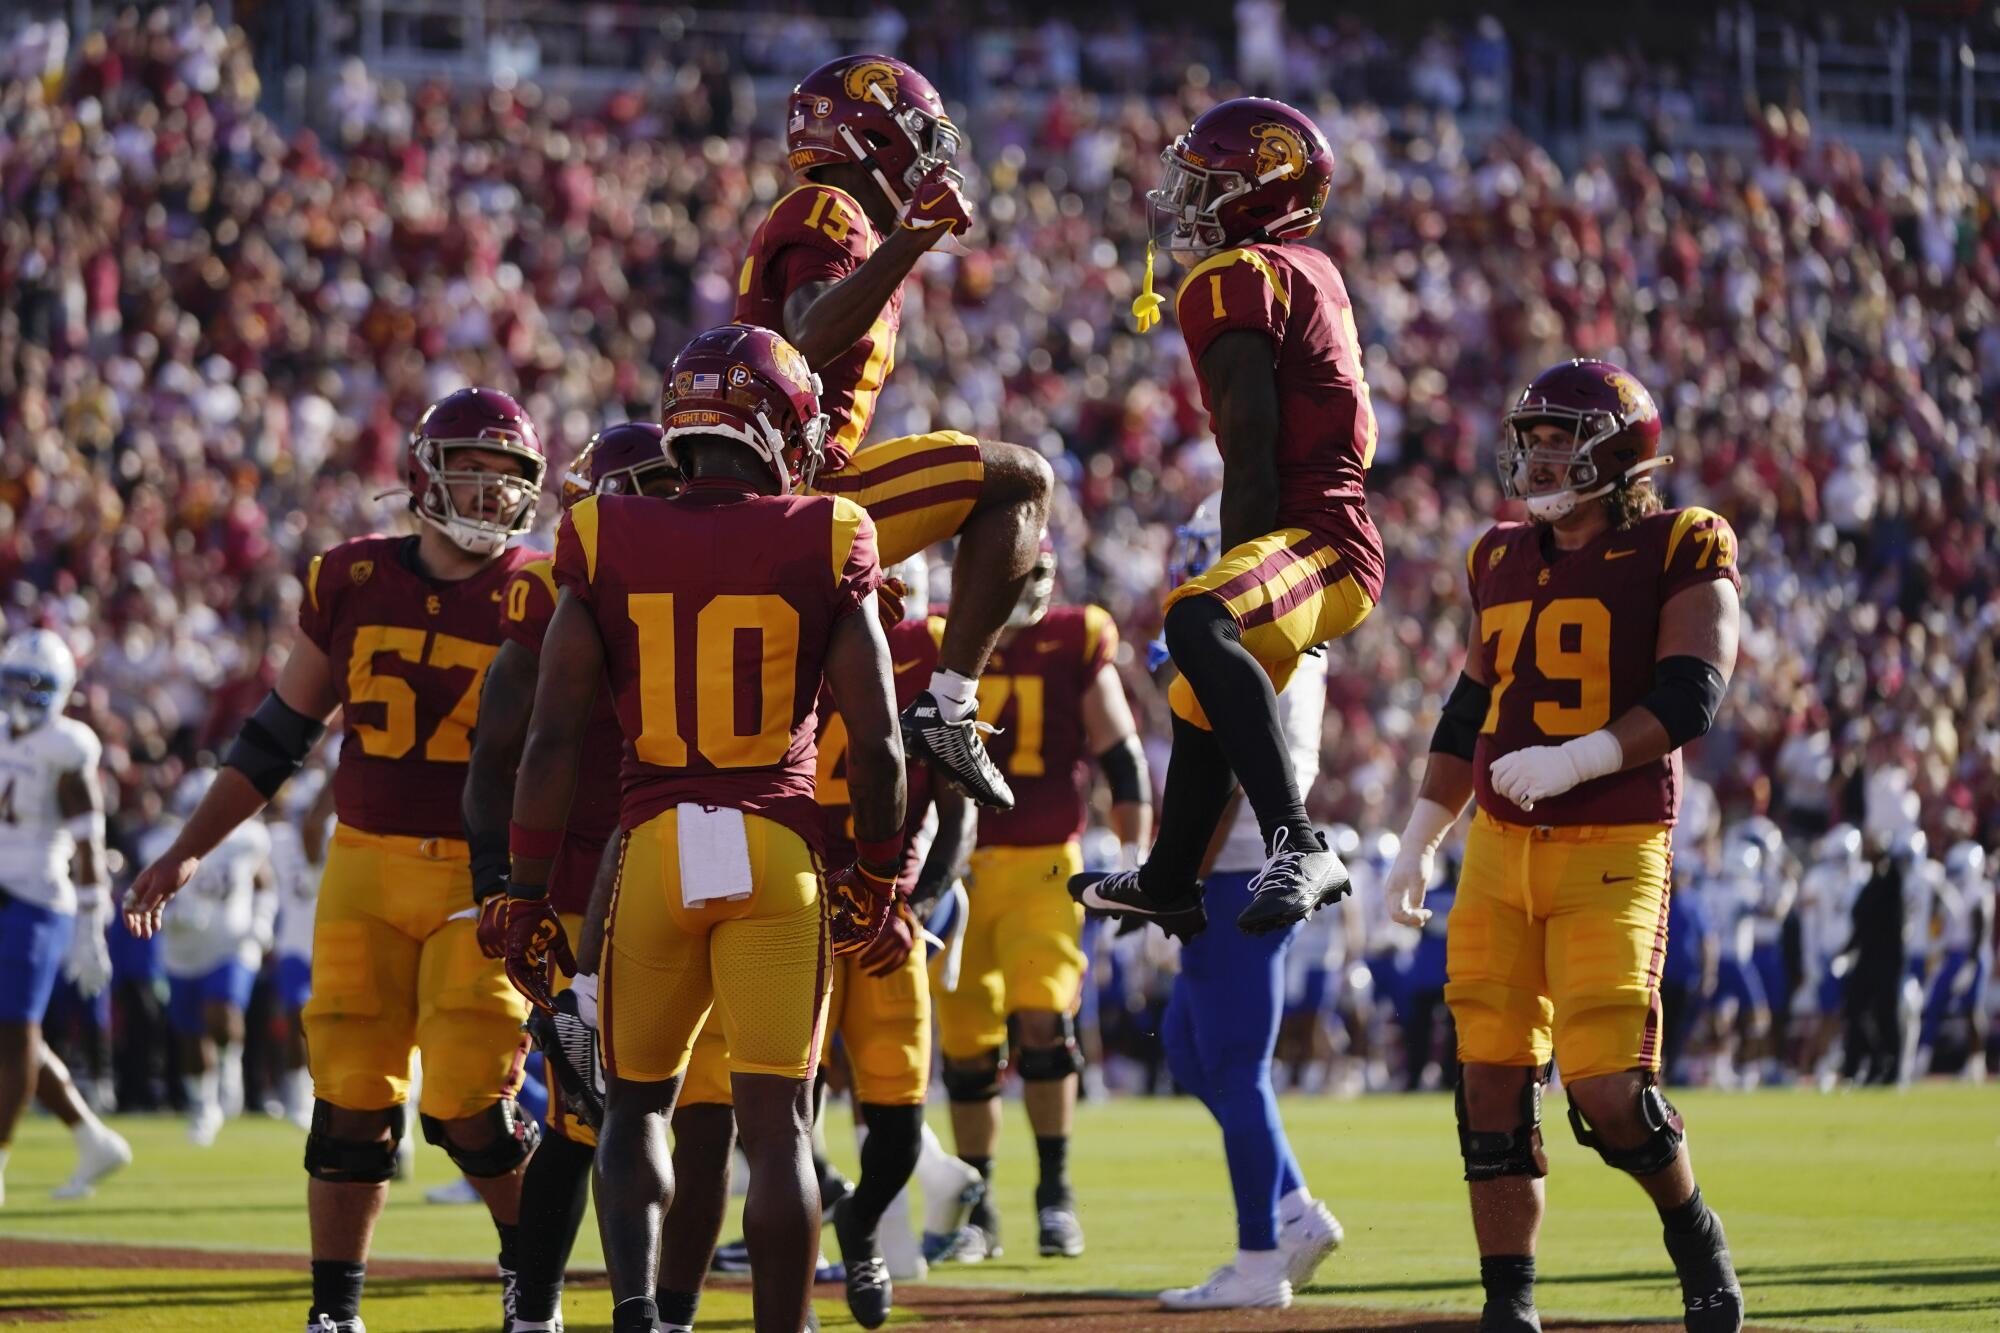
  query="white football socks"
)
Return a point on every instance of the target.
[{"x": 957, "y": 696}]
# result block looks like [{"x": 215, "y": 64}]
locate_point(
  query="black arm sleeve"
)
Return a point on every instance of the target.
[
  {"x": 273, "y": 743},
  {"x": 491, "y": 862},
  {"x": 1124, "y": 766},
  {"x": 1464, "y": 714},
  {"x": 1686, "y": 693}
]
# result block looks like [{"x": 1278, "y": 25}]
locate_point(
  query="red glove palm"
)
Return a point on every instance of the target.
[
  {"x": 535, "y": 939},
  {"x": 939, "y": 202},
  {"x": 493, "y": 924},
  {"x": 892, "y": 947},
  {"x": 891, "y": 601},
  {"x": 858, "y": 902}
]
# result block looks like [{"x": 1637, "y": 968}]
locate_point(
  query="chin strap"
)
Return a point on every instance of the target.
[{"x": 1146, "y": 307}]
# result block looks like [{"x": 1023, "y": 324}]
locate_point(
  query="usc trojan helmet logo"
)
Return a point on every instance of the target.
[
  {"x": 1633, "y": 401},
  {"x": 872, "y": 81},
  {"x": 1280, "y": 150},
  {"x": 791, "y": 363}
]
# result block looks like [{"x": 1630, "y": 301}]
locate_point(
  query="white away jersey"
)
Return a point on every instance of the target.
[
  {"x": 213, "y": 919},
  {"x": 35, "y": 848},
  {"x": 1301, "y": 711},
  {"x": 297, "y": 884}
]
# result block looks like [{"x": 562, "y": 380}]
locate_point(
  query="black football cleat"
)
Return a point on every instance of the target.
[
  {"x": 1118, "y": 893},
  {"x": 1061, "y": 1234},
  {"x": 870, "y": 1294},
  {"x": 956, "y": 750},
  {"x": 1501, "y": 1317},
  {"x": 1294, "y": 883},
  {"x": 570, "y": 1049},
  {"x": 1709, "y": 1289}
]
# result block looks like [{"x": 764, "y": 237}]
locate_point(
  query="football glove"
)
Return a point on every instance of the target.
[
  {"x": 535, "y": 940},
  {"x": 1543, "y": 771},
  {"x": 939, "y": 202},
  {"x": 569, "y": 1045},
  {"x": 88, "y": 963},
  {"x": 891, "y": 600},
  {"x": 493, "y": 924},
  {"x": 858, "y": 900},
  {"x": 893, "y": 945}
]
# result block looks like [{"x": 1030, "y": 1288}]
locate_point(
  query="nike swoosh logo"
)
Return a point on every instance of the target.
[
  {"x": 935, "y": 200},
  {"x": 496, "y": 594},
  {"x": 1615, "y": 879},
  {"x": 1618, "y": 555},
  {"x": 906, "y": 668}
]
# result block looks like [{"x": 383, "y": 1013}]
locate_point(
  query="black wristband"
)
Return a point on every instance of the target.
[
  {"x": 1686, "y": 692},
  {"x": 491, "y": 863},
  {"x": 1124, "y": 766},
  {"x": 272, "y": 745},
  {"x": 1464, "y": 714}
]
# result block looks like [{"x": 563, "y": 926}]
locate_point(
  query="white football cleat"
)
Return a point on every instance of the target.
[
  {"x": 99, "y": 1152},
  {"x": 1228, "y": 1288},
  {"x": 204, "y": 1126},
  {"x": 1307, "y": 1240}
]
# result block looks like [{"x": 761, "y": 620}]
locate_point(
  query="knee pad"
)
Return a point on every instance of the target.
[
  {"x": 351, "y": 1161},
  {"x": 974, "y": 1080},
  {"x": 1052, "y": 1064},
  {"x": 516, "y": 1134},
  {"x": 1490, "y": 1155},
  {"x": 1665, "y": 1134}
]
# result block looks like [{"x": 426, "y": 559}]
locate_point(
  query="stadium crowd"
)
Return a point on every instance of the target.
[{"x": 216, "y": 331}]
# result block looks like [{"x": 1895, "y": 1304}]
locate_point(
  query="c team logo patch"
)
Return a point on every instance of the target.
[
  {"x": 1495, "y": 556},
  {"x": 1279, "y": 146},
  {"x": 1633, "y": 400},
  {"x": 361, "y": 571},
  {"x": 871, "y": 81}
]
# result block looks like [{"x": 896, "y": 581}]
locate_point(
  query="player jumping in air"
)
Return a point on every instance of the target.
[
  {"x": 1604, "y": 636},
  {"x": 715, "y": 617},
  {"x": 873, "y": 149},
  {"x": 397, "y": 633},
  {"x": 1272, "y": 336}
]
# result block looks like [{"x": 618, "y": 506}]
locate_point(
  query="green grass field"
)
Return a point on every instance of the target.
[{"x": 1865, "y": 1210}]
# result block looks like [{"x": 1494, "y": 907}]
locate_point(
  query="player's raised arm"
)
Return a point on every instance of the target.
[
  {"x": 824, "y": 319},
  {"x": 270, "y": 748},
  {"x": 1243, "y": 381}
]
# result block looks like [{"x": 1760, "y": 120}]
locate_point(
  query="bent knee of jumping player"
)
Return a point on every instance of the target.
[{"x": 1015, "y": 475}]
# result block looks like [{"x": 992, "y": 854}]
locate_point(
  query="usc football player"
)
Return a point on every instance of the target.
[
  {"x": 397, "y": 632},
  {"x": 1605, "y": 633},
  {"x": 625, "y": 459},
  {"x": 873, "y": 149},
  {"x": 1271, "y": 333},
  {"x": 716, "y": 616}
]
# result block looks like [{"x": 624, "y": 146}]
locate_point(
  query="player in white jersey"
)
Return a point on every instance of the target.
[
  {"x": 1741, "y": 1014},
  {"x": 210, "y": 948},
  {"x": 1965, "y": 945},
  {"x": 1388, "y": 951},
  {"x": 1223, "y": 1018},
  {"x": 54, "y": 898},
  {"x": 1315, "y": 976},
  {"x": 298, "y": 825},
  {"x": 1826, "y": 914}
]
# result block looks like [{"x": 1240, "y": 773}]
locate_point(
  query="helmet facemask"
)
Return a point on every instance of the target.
[
  {"x": 1188, "y": 198},
  {"x": 1573, "y": 462},
  {"x": 29, "y": 697},
  {"x": 504, "y": 504},
  {"x": 1197, "y": 545},
  {"x": 933, "y": 140}
]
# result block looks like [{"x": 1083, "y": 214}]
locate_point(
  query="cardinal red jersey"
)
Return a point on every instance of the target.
[
  {"x": 409, "y": 653},
  {"x": 1294, "y": 295},
  {"x": 529, "y": 605},
  {"x": 1570, "y": 638},
  {"x": 1032, "y": 690},
  {"x": 819, "y": 234},
  {"x": 715, "y": 609},
  {"x": 913, "y": 653}
]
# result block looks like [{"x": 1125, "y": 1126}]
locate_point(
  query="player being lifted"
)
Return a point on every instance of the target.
[
  {"x": 1056, "y": 696},
  {"x": 397, "y": 633},
  {"x": 625, "y": 459},
  {"x": 1272, "y": 336},
  {"x": 869, "y": 140},
  {"x": 1605, "y": 633},
  {"x": 55, "y": 894},
  {"x": 716, "y": 616}
]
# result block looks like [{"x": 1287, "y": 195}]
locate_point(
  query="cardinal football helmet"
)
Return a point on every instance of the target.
[
  {"x": 1614, "y": 436},
  {"x": 37, "y": 673},
  {"x": 747, "y": 384},
  {"x": 1248, "y": 169},
  {"x": 475, "y": 419},
  {"x": 618, "y": 460},
  {"x": 874, "y": 111}
]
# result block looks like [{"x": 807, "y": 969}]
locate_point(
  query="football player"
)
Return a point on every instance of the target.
[
  {"x": 625, "y": 459},
  {"x": 1271, "y": 333},
  {"x": 397, "y": 633},
  {"x": 1959, "y": 989},
  {"x": 873, "y": 149},
  {"x": 209, "y": 946},
  {"x": 1605, "y": 631},
  {"x": 1054, "y": 693},
  {"x": 55, "y": 894},
  {"x": 716, "y": 615},
  {"x": 1219, "y": 1029}
]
